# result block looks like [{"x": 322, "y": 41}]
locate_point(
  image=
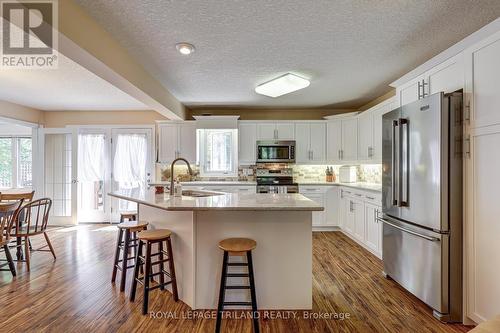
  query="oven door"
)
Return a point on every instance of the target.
[{"x": 275, "y": 151}]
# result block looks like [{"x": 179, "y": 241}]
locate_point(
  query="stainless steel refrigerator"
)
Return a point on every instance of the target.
[{"x": 422, "y": 201}]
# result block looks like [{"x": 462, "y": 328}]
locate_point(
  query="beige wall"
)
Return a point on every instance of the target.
[
  {"x": 19, "y": 112},
  {"x": 378, "y": 100},
  {"x": 269, "y": 114},
  {"x": 63, "y": 118}
]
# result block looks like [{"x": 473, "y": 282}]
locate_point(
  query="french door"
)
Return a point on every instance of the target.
[
  {"x": 80, "y": 166},
  {"x": 131, "y": 167},
  {"x": 58, "y": 173}
]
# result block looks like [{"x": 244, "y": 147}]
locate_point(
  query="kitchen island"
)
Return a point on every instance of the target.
[{"x": 280, "y": 223}]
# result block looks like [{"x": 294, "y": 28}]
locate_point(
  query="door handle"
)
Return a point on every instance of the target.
[
  {"x": 394, "y": 177},
  {"x": 414, "y": 233},
  {"x": 404, "y": 143}
]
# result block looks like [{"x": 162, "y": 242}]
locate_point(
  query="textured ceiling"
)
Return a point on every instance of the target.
[
  {"x": 350, "y": 49},
  {"x": 69, "y": 87}
]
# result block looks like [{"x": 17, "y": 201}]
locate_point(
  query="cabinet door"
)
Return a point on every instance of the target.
[
  {"x": 333, "y": 206},
  {"x": 285, "y": 131},
  {"x": 409, "y": 92},
  {"x": 247, "y": 140},
  {"x": 359, "y": 219},
  {"x": 373, "y": 228},
  {"x": 318, "y": 218},
  {"x": 302, "y": 143},
  {"x": 317, "y": 142},
  {"x": 446, "y": 77},
  {"x": 349, "y": 218},
  {"x": 187, "y": 141},
  {"x": 365, "y": 135},
  {"x": 350, "y": 140},
  {"x": 168, "y": 137},
  {"x": 377, "y": 130},
  {"x": 334, "y": 140},
  {"x": 266, "y": 131}
]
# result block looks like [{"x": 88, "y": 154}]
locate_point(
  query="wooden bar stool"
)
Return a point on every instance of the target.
[
  {"x": 130, "y": 216},
  {"x": 237, "y": 247},
  {"x": 127, "y": 240},
  {"x": 147, "y": 239}
]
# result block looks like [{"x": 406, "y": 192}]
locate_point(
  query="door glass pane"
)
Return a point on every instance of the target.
[
  {"x": 129, "y": 167},
  {"x": 91, "y": 175},
  {"x": 5, "y": 162},
  {"x": 58, "y": 173},
  {"x": 24, "y": 165}
]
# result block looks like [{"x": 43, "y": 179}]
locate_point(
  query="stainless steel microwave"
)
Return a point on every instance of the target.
[{"x": 275, "y": 151}]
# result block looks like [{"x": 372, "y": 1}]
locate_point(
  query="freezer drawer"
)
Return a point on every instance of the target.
[{"x": 417, "y": 259}]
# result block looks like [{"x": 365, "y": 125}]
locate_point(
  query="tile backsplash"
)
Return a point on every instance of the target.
[{"x": 369, "y": 173}]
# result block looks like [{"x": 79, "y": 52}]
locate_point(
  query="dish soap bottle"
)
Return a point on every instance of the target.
[{"x": 177, "y": 189}]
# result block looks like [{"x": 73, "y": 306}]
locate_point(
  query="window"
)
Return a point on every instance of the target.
[
  {"x": 15, "y": 162},
  {"x": 218, "y": 152}
]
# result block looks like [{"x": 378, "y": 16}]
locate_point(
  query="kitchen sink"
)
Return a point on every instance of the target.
[{"x": 200, "y": 194}]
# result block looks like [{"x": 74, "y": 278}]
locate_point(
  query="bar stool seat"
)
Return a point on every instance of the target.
[
  {"x": 152, "y": 235},
  {"x": 133, "y": 225},
  {"x": 235, "y": 245}
]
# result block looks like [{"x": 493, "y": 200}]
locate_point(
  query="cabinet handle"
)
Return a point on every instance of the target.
[
  {"x": 342, "y": 154},
  {"x": 357, "y": 194},
  {"x": 276, "y": 134},
  {"x": 339, "y": 154},
  {"x": 419, "y": 95},
  {"x": 312, "y": 155},
  {"x": 371, "y": 198},
  {"x": 423, "y": 88}
]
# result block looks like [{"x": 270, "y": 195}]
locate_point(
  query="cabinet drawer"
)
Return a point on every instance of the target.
[{"x": 313, "y": 189}]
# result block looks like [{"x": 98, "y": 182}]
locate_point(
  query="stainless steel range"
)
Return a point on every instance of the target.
[{"x": 276, "y": 181}]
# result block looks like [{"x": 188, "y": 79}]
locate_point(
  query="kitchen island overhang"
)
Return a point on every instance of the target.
[{"x": 280, "y": 223}]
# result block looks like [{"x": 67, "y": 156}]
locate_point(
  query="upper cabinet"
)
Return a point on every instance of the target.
[
  {"x": 247, "y": 143},
  {"x": 177, "y": 139},
  {"x": 342, "y": 139},
  {"x": 370, "y": 131},
  {"x": 310, "y": 142},
  {"x": 447, "y": 77},
  {"x": 275, "y": 131}
]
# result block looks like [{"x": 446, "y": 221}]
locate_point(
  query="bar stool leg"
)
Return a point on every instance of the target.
[
  {"x": 222, "y": 293},
  {"x": 126, "y": 246},
  {"x": 172, "y": 269},
  {"x": 12, "y": 267},
  {"x": 162, "y": 277},
  {"x": 117, "y": 255},
  {"x": 138, "y": 263},
  {"x": 147, "y": 270},
  {"x": 252, "y": 292}
]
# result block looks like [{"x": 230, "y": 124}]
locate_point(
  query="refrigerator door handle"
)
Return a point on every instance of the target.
[
  {"x": 429, "y": 238},
  {"x": 404, "y": 146},
  {"x": 395, "y": 165}
]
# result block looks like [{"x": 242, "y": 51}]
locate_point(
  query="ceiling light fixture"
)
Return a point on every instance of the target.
[
  {"x": 282, "y": 85},
  {"x": 184, "y": 48}
]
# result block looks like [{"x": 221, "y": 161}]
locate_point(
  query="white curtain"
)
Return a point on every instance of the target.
[
  {"x": 129, "y": 165},
  {"x": 91, "y": 157}
]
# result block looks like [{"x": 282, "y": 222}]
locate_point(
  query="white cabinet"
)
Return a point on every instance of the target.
[
  {"x": 322, "y": 196},
  {"x": 349, "y": 139},
  {"x": 275, "y": 131},
  {"x": 373, "y": 228},
  {"x": 318, "y": 218},
  {"x": 482, "y": 227},
  {"x": 333, "y": 206},
  {"x": 342, "y": 140},
  {"x": 446, "y": 77},
  {"x": 177, "y": 139},
  {"x": 358, "y": 218},
  {"x": 365, "y": 135},
  {"x": 246, "y": 142},
  {"x": 310, "y": 142}
]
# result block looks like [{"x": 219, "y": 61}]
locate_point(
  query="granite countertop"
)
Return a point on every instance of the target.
[
  {"x": 210, "y": 182},
  {"x": 224, "y": 201}
]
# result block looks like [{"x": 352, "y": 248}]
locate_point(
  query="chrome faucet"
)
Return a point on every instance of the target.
[{"x": 172, "y": 172}]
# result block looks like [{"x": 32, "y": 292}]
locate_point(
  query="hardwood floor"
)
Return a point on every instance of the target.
[{"x": 74, "y": 293}]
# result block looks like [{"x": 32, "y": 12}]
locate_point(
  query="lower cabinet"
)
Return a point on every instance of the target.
[
  {"x": 328, "y": 197},
  {"x": 224, "y": 188},
  {"x": 358, "y": 214}
]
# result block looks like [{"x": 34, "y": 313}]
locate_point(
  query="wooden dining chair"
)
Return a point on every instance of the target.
[
  {"x": 8, "y": 215},
  {"x": 10, "y": 197},
  {"x": 35, "y": 217}
]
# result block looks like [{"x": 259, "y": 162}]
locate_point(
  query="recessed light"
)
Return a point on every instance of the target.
[
  {"x": 185, "y": 48},
  {"x": 282, "y": 85}
]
